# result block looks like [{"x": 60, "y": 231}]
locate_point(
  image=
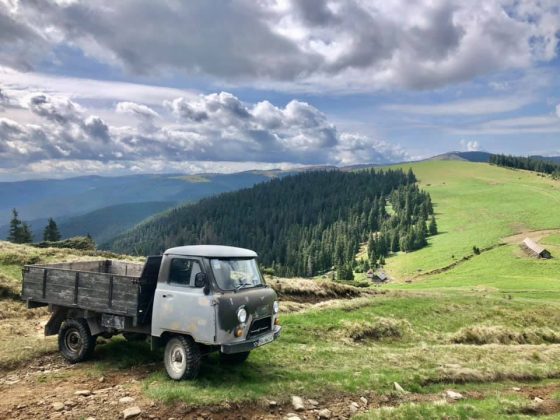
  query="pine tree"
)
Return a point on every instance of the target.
[
  {"x": 51, "y": 233},
  {"x": 26, "y": 237},
  {"x": 433, "y": 226},
  {"x": 15, "y": 228}
]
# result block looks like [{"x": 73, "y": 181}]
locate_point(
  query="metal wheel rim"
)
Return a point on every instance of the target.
[
  {"x": 177, "y": 359},
  {"x": 73, "y": 340}
]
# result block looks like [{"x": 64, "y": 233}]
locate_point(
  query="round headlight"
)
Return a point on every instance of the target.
[
  {"x": 275, "y": 307},
  {"x": 242, "y": 315}
]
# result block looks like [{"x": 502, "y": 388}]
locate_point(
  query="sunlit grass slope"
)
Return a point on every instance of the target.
[{"x": 479, "y": 205}]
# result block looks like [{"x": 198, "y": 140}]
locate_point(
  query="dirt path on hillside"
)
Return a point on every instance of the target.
[
  {"x": 455, "y": 263},
  {"x": 50, "y": 388},
  {"x": 535, "y": 235}
]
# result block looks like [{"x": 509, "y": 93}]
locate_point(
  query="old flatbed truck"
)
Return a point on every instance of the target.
[{"x": 193, "y": 300}]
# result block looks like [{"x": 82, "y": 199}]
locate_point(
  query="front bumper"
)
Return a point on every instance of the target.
[{"x": 253, "y": 343}]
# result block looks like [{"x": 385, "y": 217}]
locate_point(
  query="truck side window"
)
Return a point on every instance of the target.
[{"x": 182, "y": 271}]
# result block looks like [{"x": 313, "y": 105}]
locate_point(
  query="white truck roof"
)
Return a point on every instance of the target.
[{"x": 212, "y": 251}]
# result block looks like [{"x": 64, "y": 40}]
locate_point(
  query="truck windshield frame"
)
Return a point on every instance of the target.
[{"x": 233, "y": 274}]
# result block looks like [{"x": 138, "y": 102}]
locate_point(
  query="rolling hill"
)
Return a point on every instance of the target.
[
  {"x": 302, "y": 224},
  {"x": 62, "y": 198},
  {"x": 482, "y": 205},
  {"x": 108, "y": 222},
  {"x": 102, "y": 224},
  {"x": 481, "y": 157}
]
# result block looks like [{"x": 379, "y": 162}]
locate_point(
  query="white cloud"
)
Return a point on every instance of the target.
[
  {"x": 516, "y": 125},
  {"x": 18, "y": 84},
  {"x": 470, "y": 145},
  {"x": 478, "y": 106},
  {"x": 206, "y": 128},
  {"x": 139, "y": 110},
  {"x": 558, "y": 110},
  {"x": 340, "y": 44}
]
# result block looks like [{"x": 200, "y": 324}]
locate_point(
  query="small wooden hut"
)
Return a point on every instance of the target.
[{"x": 535, "y": 250}]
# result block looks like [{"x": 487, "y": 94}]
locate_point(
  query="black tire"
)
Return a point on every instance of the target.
[
  {"x": 182, "y": 358},
  {"x": 131, "y": 336},
  {"x": 234, "y": 358},
  {"x": 75, "y": 341}
]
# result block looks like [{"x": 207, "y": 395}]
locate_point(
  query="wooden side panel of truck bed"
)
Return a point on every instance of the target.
[{"x": 102, "y": 292}]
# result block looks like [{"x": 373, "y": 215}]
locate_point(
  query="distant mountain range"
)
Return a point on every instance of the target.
[
  {"x": 483, "y": 157},
  {"x": 105, "y": 207},
  {"x": 78, "y": 204}
]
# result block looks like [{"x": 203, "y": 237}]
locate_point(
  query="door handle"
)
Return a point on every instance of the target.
[{"x": 167, "y": 295}]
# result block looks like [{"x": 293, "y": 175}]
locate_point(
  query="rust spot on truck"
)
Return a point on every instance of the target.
[{"x": 257, "y": 301}]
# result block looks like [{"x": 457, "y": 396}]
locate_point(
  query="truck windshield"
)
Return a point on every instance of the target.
[{"x": 234, "y": 274}]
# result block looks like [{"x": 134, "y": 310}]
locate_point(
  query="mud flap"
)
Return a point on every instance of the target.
[{"x": 55, "y": 321}]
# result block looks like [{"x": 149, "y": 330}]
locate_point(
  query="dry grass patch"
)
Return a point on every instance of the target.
[
  {"x": 18, "y": 309},
  {"x": 497, "y": 334},
  {"x": 16, "y": 254},
  {"x": 300, "y": 289},
  {"x": 380, "y": 329},
  {"x": 22, "y": 340}
]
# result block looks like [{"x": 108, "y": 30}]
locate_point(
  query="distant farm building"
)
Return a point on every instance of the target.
[
  {"x": 377, "y": 276},
  {"x": 534, "y": 249}
]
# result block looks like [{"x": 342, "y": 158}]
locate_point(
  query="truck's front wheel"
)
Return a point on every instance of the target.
[
  {"x": 182, "y": 358},
  {"x": 75, "y": 341}
]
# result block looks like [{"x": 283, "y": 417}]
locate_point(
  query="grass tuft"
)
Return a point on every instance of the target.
[
  {"x": 381, "y": 328},
  {"x": 498, "y": 334},
  {"x": 306, "y": 289}
]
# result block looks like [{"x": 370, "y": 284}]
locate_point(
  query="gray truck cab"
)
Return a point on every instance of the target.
[
  {"x": 192, "y": 300},
  {"x": 213, "y": 296}
]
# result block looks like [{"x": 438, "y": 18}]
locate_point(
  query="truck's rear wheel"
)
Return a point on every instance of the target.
[
  {"x": 234, "y": 358},
  {"x": 75, "y": 341},
  {"x": 182, "y": 358}
]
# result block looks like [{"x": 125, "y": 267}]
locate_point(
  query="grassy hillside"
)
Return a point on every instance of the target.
[
  {"x": 482, "y": 205},
  {"x": 301, "y": 225},
  {"x": 486, "y": 327}
]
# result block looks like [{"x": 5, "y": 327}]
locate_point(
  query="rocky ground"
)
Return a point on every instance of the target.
[{"x": 50, "y": 388}]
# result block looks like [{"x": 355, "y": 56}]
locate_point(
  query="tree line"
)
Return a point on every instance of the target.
[
  {"x": 301, "y": 225},
  {"x": 527, "y": 163},
  {"x": 20, "y": 231}
]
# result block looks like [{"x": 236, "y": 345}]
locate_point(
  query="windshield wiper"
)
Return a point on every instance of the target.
[{"x": 242, "y": 286}]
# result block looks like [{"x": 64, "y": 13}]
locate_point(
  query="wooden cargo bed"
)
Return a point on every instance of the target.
[{"x": 107, "y": 286}]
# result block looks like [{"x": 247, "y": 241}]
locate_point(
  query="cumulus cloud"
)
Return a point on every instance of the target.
[
  {"x": 55, "y": 108},
  {"x": 218, "y": 127},
  {"x": 470, "y": 145},
  {"x": 141, "y": 111},
  {"x": 340, "y": 43}
]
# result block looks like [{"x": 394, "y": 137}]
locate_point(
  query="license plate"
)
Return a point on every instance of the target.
[{"x": 264, "y": 340}]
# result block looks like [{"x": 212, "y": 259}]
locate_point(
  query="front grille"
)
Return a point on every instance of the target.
[{"x": 260, "y": 326}]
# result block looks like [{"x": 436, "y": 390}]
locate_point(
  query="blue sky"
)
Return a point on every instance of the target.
[{"x": 127, "y": 87}]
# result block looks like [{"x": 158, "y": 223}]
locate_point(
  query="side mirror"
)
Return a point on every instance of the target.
[{"x": 200, "y": 280}]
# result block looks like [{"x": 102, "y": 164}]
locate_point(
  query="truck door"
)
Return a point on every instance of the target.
[{"x": 179, "y": 306}]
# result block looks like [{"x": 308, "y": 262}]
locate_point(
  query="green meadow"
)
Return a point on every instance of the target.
[
  {"x": 482, "y": 205},
  {"x": 480, "y": 324}
]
